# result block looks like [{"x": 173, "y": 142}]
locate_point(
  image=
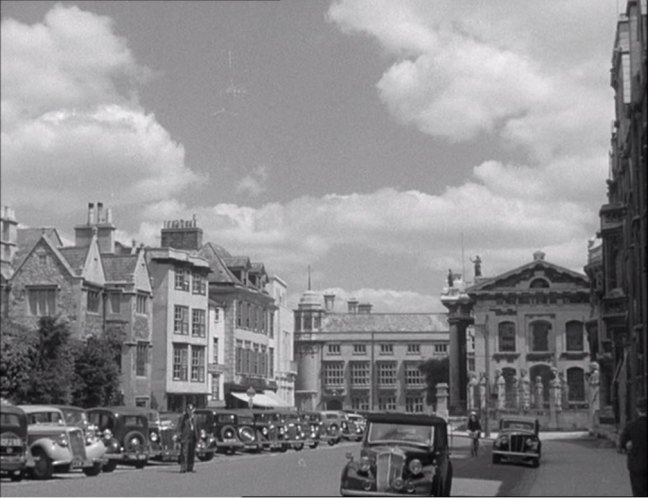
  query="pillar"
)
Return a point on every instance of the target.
[
  {"x": 442, "y": 400},
  {"x": 459, "y": 317}
]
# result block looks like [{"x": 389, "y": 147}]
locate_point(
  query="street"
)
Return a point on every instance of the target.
[{"x": 579, "y": 467}]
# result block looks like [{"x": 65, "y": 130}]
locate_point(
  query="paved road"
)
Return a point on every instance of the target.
[{"x": 577, "y": 468}]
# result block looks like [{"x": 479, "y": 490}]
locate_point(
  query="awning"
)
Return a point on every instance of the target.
[
  {"x": 275, "y": 398},
  {"x": 257, "y": 400}
]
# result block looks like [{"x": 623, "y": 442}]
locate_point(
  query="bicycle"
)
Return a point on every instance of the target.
[{"x": 474, "y": 447}]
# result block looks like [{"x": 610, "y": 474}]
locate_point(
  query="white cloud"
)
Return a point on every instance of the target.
[{"x": 254, "y": 184}]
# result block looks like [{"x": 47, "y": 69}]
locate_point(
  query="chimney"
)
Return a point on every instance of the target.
[
  {"x": 538, "y": 256},
  {"x": 365, "y": 308},
  {"x": 353, "y": 305},
  {"x": 100, "y": 212},
  {"x": 181, "y": 234},
  {"x": 108, "y": 215},
  {"x": 91, "y": 218},
  {"x": 329, "y": 302}
]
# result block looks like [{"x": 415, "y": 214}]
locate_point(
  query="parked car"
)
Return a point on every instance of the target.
[
  {"x": 54, "y": 446},
  {"x": 168, "y": 444},
  {"x": 402, "y": 454},
  {"x": 218, "y": 432},
  {"x": 95, "y": 449},
  {"x": 247, "y": 430},
  {"x": 125, "y": 432},
  {"x": 351, "y": 431},
  {"x": 315, "y": 427},
  {"x": 518, "y": 440},
  {"x": 14, "y": 456},
  {"x": 277, "y": 430},
  {"x": 359, "y": 420},
  {"x": 332, "y": 423},
  {"x": 296, "y": 430},
  {"x": 262, "y": 427}
]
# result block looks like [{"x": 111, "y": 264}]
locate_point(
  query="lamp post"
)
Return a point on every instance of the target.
[
  {"x": 250, "y": 392},
  {"x": 485, "y": 332}
]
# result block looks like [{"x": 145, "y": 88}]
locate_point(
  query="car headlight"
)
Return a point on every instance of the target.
[
  {"x": 502, "y": 441},
  {"x": 264, "y": 431},
  {"x": 415, "y": 466},
  {"x": 281, "y": 430},
  {"x": 62, "y": 440},
  {"x": 153, "y": 436},
  {"x": 203, "y": 433},
  {"x": 365, "y": 464},
  {"x": 107, "y": 434}
]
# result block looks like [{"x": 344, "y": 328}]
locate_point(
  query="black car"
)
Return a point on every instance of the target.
[
  {"x": 218, "y": 431},
  {"x": 248, "y": 431},
  {"x": 125, "y": 432},
  {"x": 518, "y": 440},
  {"x": 13, "y": 441},
  {"x": 402, "y": 454}
]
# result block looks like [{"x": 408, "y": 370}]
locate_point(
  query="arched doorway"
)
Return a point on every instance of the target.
[
  {"x": 544, "y": 372},
  {"x": 334, "y": 404}
]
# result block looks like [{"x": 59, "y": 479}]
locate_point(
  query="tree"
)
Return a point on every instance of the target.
[
  {"x": 435, "y": 371},
  {"x": 17, "y": 353}
]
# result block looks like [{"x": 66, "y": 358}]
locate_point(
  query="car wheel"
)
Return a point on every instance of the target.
[
  {"x": 284, "y": 448},
  {"x": 535, "y": 462},
  {"x": 496, "y": 459},
  {"x": 17, "y": 476},
  {"x": 206, "y": 457},
  {"x": 140, "y": 465},
  {"x": 299, "y": 447},
  {"x": 331, "y": 442},
  {"x": 110, "y": 466},
  {"x": 314, "y": 445},
  {"x": 43, "y": 468},
  {"x": 93, "y": 471}
]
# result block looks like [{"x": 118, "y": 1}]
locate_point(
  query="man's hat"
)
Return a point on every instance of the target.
[{"x": 641, "y": 404}]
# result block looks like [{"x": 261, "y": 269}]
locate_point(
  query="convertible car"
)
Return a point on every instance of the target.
[
  {"x": 518, "y": 440},
  {"x": 402, "y": 454}
]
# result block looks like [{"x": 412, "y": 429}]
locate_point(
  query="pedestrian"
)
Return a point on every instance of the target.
[
  {"x": 633, "y": 440},
  {"x": 188, "y": 435},
  {"x": 474, "y": 431}
]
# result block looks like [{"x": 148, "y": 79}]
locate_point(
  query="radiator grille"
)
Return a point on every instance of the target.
[
  {"x": 517, "y": 443},
  {"x": 77, "y": 444},
  {"x": 389, "y": 466},
  {"x": 166, "y": 439}
]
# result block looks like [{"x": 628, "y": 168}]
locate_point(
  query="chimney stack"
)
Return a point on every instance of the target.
[
  {"x": 100, "y": 212},
  {"x": 365, "y": 308},
  {"x": 352, "y": 303},
  {"x": 91, "y": 218},
  {"x": 538, "y": 256},
  {"x": 329, "y": 302}
]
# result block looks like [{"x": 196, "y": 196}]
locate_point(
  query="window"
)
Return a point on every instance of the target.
[
  {"x": 215, "y": 350},
  {"x": 181, "y": 320},
  {"x": 115, "y": 302},
  {"x": 141, "y": 359},
  {"x": 42, "y": 258},
  {"x": 142, "y": 299},
  {"x": 181, "y": 279},
  {"x": 246, "y": 356},
  {"x": 215, "y": 387},
  {"x": 360, "y": 403},
  {"x": 334, "y": 349},
  {"x": 360, "y": 373},
  {"x": 413, "y": 376},
  {"x": 239, "y": 356},
  {"x": 239, "y": 313},
  {"x": 506, "y": 336},
  {"x": 264, "y": 361},
  {"x": 359, "y": 349},
  {"x": 198, "y": 323},
  {"x": 387, "y": 403},
  {"x": 255, "y": 360},
  {"x": 197, "y": 364},
  {"x": 247, "y": 308},
  {"x": 413, "y": 349},
  {"x": 271, "y": 362},
  {"x": 42, "y": 301},
  {"x": 199, "y": 285},
  {"x": 180, "y": 361},
  {"x": 574, "y": 333},
  {"x": 93, "y": 300},
  {"x": 440, "y": 349},
  {"x": 386, "y": 349},
  {"x": 141, "y": 401},
  {"x": 307, "y": 323},
  {"x": 216, "y": 315},
  {"x": 387, "y": 373},
  {"x": 540, "y": 336},
  {"x": 576, "y": 384},
  {"x": 334, "y": 373},
  {"x": 414, "y": 404},
  {"x": 271, "y": 324}
]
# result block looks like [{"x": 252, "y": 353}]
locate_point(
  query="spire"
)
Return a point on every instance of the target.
[{"x": 309, "y": 277}]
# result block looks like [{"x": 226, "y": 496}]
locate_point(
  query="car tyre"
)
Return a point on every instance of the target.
[
  {"x": 314, "y": 445},
  {"x": 206, "y": 457},
  {"x": 496, "y": 459},
  {"x": 110, "y": 466},
  {"x": 95, "y": 470},
  {"x": 284, "y": 448},
  {"x": 43, "y": 468},
  {"x": 535, "y": 463},
  {"x": 299, "y": 446},
  {"x": 331, "y": 442},
  {"x": 17, "y": 476},
  {"x": 140, "y": 465}
]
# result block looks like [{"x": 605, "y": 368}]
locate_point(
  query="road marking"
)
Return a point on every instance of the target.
[{"x": 463, "y": 486}]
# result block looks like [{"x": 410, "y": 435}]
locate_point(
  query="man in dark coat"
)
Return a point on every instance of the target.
[
  {"x": 633, "y": 440},
  {"x": 188, "y": 435}
]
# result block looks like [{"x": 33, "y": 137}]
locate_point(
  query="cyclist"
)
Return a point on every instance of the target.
[{"x": 474, "y": 431}]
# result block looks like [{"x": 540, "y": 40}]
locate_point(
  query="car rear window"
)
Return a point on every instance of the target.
[
  {"x": 74, "y": 417},
  {"x": 331, "y": 416},
  {"x": 9, "y": 419},
  {"x": 134, "y": 421},
  {"x": 511, "y": 424},
  {"x": 45, "y": 418},
  {"x": 382, "y": 432},
  {"x": 226, "y": 418}
]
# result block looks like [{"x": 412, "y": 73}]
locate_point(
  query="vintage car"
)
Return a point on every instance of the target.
[
  {"x": 359, "y": 420},
  {"x": 218, "y": 432},
  {"x": 277, "y": 430},
  {"x": 14, "y": 456},
  {"x": 518, "y": 440},
  {"x": 316, "y": 429},
  {"x": 332, "y": 423},
  {"x": 95, "y": 449},
  {"x": 124, "y": 431},
  {"x": 247, "y": 430},
  {"x": 262, "y": 427},
  {"x": 296, "y": 434},
  {"x": 54, "y": 446},
  {"x": 168, "y": 449},
  {"x": 351, "y": 431},
  {"x": 402, "y": 454}
]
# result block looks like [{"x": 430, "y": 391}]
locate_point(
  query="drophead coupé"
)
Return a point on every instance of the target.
[{"x": 402, "y": 454}]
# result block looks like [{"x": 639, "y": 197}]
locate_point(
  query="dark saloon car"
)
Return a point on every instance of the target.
[
  {"x": 125, "y": 432},
  {"x": 402, "y": 454},
  {"x": 247, "y": 430},
  {"x": 218, "y": 432},
  {"x": 262, "y": 427},
  {"x": 13, "y": 442},
  {"x": 518, "y": 440},
  {"x": 315, "y": 428}
]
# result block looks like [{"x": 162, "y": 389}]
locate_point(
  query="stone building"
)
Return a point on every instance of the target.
[
  {"x": 286, "y": 367},
  {"x": 8, "y": 248},
  {"x": 362, "y": 360},
  {"x": 620, "y": 290}
]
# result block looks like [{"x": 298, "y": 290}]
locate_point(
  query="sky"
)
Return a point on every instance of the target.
[{"x": 379, "y": 142}]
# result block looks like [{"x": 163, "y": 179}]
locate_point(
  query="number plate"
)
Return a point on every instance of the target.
[
  {"x": 10, "y": 441},
  {"x": 76, "y": 463}
]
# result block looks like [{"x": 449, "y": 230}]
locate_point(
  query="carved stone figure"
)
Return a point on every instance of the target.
[
  {"x": 477, "y": 262},
  {"x": 539, "y": 392},
  {"x": 450, "y": 278},
  {"x": 555, "y": 390},
  {"x": 470, "y": 390},
  {"x": 594, "y": 382},
  {"x": 482, "y": 392},
  {"x": 525, "y": 390},
  {"x": 565, "y": 390},
  {"x": 501, "y": 391}
]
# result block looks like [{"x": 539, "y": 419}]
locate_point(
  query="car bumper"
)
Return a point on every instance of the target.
[
  {"x": 360, "y": 492},
  {"x": 516, "y": 454},
  {"x": 230, "y": 444},
  {"x": 12, "y": 463},
  {"x": 128, "y": 457}
]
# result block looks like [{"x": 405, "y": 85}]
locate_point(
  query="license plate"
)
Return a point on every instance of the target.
[
  {"x": 9, "y": 441},
  {"x": 76, "y": 463}
]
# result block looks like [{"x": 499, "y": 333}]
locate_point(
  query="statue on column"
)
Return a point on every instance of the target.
[
  {"x": 477, "y": 262},
  {"x": 594, "y": 382},
  {"x": 450, "y": 278},
  {"x": 525, "y": 390},
  {"x": 539, "y": 393},
  {"x": 501, "y": 390},
  {"x": 483, "y": 401},
  {"x": 472, "y": 384},
  {"x": 555, "y": 390},
  {"x": 565, "y": 390}
]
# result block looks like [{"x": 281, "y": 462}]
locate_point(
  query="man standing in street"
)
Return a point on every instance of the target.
[
  {"x": 188, "y": 435},
  {"x": 633, "y": 440}
]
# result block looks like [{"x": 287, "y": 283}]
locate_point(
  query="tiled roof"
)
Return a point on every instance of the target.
[
  {"x": 119, "y": 267},
  {"x": 257, "y": 267},
  {"x": 237, "y": 261},
  {"x": 27, "y": 238},
  {"x": 219, "y": 271},
  {"x": 220, "y": 251},
  {"x": 385, "y": 322},
  {"x": 75, "y": 256}
]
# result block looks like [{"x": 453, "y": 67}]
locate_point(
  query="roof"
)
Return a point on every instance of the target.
[
  {"x": 220, "y": 273},
  {"x": 123, "y": 410},
  {"x": 405, "y": 418},
  {"x": 119, "y": 267},
  {"x": 28, "y": 237},
  {"x": 519, "y": 418},
  {"x": 76, "y": 257},
  {"x": 38, "y": 408},
  {"x": 237, "y": 262},
  {"x": 385, "y": 322},
  {"x": 7, "y": 408}
]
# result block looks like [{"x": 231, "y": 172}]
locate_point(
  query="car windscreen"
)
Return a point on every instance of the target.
[
  {"x": 226, "y": 419},
  {"x": 516, "y": 424},
  {"x": 245, "y": 419},
  {"x": 9, "y": 420},
  {"x": 134, "y": 421},
  {"x": 46, "y": 417},
  {"x": 75, "y": 417},
  {"x": 390, "y": 432},
  {"x": 331, "y": 416}
]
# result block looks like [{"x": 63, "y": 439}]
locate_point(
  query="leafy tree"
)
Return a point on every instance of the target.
[
  {"x": 17, "y": 353},
  {"x": 435, "y": 371}
]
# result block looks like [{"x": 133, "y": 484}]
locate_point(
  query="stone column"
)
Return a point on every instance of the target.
[
  {"x": 442, "y": 400},
  {"x": 593, "y": 398}
]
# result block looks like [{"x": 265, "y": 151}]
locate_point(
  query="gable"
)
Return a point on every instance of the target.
[
  {"x": 92, "y": 267},
  {"x": 44, "y": 246},
  {"x": 141, "y": 277}
]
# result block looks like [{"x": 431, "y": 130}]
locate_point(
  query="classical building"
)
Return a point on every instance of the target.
[
  {"x": 92, "y": 286},
  {"x": 529, "y": 327},
  {"x": 286, "y": 367},
  {"x": 620, "y": 294},
  {"x": 182, "y": 345},
  {"x": 362, "y": 360}
]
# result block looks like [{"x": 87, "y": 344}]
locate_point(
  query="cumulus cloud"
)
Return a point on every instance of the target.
[
  {"x": 71, "y": 123},
  {"x": 254, "y": 184}
]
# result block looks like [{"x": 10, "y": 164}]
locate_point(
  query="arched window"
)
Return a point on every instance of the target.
[
  {"x": 506, "y": 336},
  {"x": 540, "y": 335},
  {"x": 539, "y": 283},
  {"x": 576, "y": 384},
  {"x": 574, "y": 336}
]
